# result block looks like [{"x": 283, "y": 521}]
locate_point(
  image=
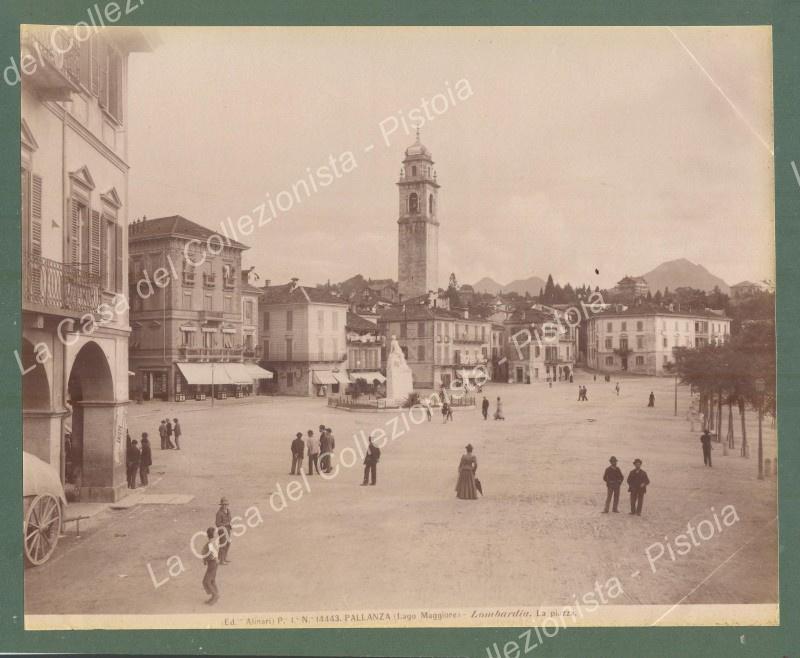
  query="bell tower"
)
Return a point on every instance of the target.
[{"x": 418, "y": 223}]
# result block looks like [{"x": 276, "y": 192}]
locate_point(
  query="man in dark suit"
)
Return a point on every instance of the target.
[
  {"x": 371, "y": 463},
  {"x": 132, "y": 460},
  {"x": 485, "y": 407},
  {"x": 613, "y": 478},
  {"x": 637, "y": 485},
  {"x": 705, "y": 439},
  {"x": 298, "y": 452},
  {"x": 324, "y": 450},
  {"x": 224, "y": 523}
]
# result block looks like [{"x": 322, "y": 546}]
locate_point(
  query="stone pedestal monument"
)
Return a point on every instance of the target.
[{"x": 399, "y": 382}]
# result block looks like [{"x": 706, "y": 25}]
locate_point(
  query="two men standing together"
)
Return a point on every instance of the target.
[{"x": 637, "y": 486}]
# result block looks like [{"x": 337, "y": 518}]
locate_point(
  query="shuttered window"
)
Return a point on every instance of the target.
[{"x": 95, "y": 248}]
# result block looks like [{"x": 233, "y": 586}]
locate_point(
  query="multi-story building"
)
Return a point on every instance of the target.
[
  {"x": 745, "y": 290},
  {"x": 540, "y": 346},
  {"x": 440, "y": 345},
  {"x": 303, "y": 343},
  {"x": 190, "y": 330},
  {"x": 642, "y": 341},
  {"x": 631, "y": 288},
  {"x": 364, "y": 346},
  {"x": 74, "y": 179}
]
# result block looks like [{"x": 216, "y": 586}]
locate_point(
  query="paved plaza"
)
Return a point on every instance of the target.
[{"x": 537, "y": 537}]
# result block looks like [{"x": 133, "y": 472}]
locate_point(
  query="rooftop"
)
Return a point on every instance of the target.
[
  {"x": 290, "y": 293},
  {"x": 177, "y": 226}
]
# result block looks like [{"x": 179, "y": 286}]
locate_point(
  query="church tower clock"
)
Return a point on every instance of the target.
[{"x": 418, "y": 223}]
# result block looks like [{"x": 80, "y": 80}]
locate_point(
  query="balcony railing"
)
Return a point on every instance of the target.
[
  {"x": 252, "y": 352},
  {"x": 55, "y": 74},
  {"x": 59, "y": 287},
  {"x": 211, "y": 316},
  {"x": 190, "y": 352}
]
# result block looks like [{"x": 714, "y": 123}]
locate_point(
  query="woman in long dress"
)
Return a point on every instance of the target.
[{"x": 465, "y": 488}]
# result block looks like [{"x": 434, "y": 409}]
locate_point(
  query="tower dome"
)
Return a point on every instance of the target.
[{"x": 417, "y": 149}]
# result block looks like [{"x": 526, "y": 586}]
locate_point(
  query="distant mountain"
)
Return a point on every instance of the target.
[
  {"x": 487, "y": 284},
  {"x": 532, "y": 285},
  {"x": 683, "y": 273}
]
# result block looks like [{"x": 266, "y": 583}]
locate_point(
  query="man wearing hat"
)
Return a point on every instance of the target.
[
  {"x": 298, "y": 450},
  {"x": 224, "y": 521},
  {"x": 705, "y": 439},
  {"x": 637, "y": 485},
  {"x": 613, "y": 478}
]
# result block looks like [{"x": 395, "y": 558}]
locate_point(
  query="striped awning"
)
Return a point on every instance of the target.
[
  {"x": 321, "y": 377},
  {"x": 257, "y": 372}
]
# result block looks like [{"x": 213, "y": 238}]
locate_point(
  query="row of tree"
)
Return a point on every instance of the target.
[{"x": 739, "y": 373}]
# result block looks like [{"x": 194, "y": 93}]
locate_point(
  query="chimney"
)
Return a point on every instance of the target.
[{"x": 267, "y": 283}]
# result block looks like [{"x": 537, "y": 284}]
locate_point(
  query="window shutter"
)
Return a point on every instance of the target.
[
  {"x": 36, "y": 215},
  {"x": 74, "y": 233},
  {"x": 94, "y": 63},
  {"x": 36, "y": 237},
  {"x": 102, "y": 57},
  {"x": 105, "y": 257},
  {"x": 118, "y": 253},
  {"x": 95, "y": 250}
]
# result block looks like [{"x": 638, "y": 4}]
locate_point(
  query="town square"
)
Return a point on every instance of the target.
[{"x": 259, "y": 377}]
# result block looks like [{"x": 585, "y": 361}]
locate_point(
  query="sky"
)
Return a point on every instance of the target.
[{"x": 567, "y": 149}]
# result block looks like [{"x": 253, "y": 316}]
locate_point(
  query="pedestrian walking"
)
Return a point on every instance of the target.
[
  {"x": 324, "y": 451},
  {"x": 616, "y": 388},
  {"x": 331, "y": 447},
  {"x": 132, "y": 459},
  {"x": 498, "y": 411},
  {"x": 485, "y": 407},
  {"x": 445, "y": 411},
  {"x": 371, "y": 460},
  {"x": 594, "y": 378},
  {"x": 585, "y": 394},
  {"x": 176, "y": 430},
  {"x": 170, "y": 445},
  {"x": 705, "y": 440},
  {"x": 298, "y": 450},
  {"x": 428, "y": 412},
  {"x": 145, "y": 460},
  {"x": 465, "y": 486},
  {"x": 613, "y": 478},
  {"x": 652, "y": 400},
  {"x": 449, "y": 412},
  {"x": 162, "y": 431},
  {"x": 211, "y": 559},
  {"x": 637, "y": 486},
  {"x": 312, "y": 447},
  {"x": 224, "y": 529}
]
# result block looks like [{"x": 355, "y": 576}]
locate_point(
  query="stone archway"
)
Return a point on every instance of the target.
[
  {"x": 95, "y": 457},
  {"x": 41, "y": 424}
]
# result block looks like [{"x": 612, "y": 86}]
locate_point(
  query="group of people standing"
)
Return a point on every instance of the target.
[
  {"x": 167, "y": 430},
  {"x": 582, "y": 394},
  {"x": 637, "y": 486},
  {"x": 320, "y": 450},
  {"x": 138, "y": 460}
]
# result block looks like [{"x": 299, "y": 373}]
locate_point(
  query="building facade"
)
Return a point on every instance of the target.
[
  {"x": 190, "y": 334},
  {"x": 539, "y": 347},
  {"x": 74, "y": 206},
  {"x": 440, "y": 345},
  {"x": 418, "y": 224},
  {"x": 302, "y": 331},
  {"x": 642, "y": 342}
]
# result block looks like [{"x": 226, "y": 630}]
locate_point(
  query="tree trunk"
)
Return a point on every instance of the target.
[
  {"x": 719, "y": 416},
  {"x": 731, "y": 441},
  {"x": 711, "y": 412},
  {"x": 744, "y": 427}
]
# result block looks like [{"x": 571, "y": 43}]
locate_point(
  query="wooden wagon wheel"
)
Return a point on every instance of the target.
[{"x": 42, "y": 527}]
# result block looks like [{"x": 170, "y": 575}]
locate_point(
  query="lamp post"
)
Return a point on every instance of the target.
[
  {"x": 759, "y": 384},
  {"x": 212, "y": 383}
]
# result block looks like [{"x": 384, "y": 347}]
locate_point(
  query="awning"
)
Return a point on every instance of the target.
[
  {"x": 238, "y": 373},
  {"x": 323, "y": 377},
  {"x": 257, "y": 372},
  {"x": 205, "y": 374},
  {"x": 341, "y": 377},
  {"x": 368, "y": 376}
]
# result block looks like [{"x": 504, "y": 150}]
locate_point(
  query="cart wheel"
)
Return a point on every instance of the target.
[{"x": 42, "y": 527}]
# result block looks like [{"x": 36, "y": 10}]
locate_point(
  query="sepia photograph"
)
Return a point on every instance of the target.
[{"x": 397, "y": 327}]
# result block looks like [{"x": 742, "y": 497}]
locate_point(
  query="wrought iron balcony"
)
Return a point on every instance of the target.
[
  {"x": 211, "y": 316},
  {"x": 216, "y": 353},
  {"x": 49, "y": 286},
  {"x": 56, "y": 74}
]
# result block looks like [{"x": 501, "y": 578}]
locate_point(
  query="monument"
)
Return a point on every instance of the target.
[{"x": 398, "y": 375}]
